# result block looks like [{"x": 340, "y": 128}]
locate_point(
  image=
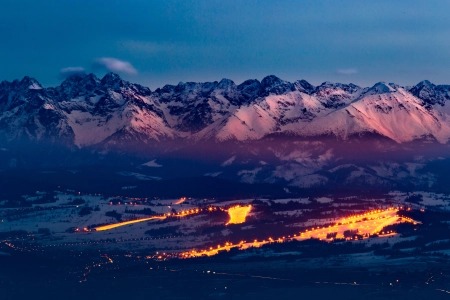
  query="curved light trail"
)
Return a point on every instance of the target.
[
  {"x": 112, "y": 226},
  {"x": 180, "y": 201},
  {"x": 183, "y": 213}
]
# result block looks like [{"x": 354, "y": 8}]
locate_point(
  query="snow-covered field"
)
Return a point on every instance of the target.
[
  {"x": 427, "y": 199},
  {"x": 53, "y": 224}
]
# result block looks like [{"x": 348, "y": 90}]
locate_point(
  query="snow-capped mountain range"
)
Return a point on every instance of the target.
[
  {"x": 268, "y": 131},
  {"x": 86, "y": 111}
]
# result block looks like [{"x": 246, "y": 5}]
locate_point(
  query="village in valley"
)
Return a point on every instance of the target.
[{"x": 405, "y": 231}]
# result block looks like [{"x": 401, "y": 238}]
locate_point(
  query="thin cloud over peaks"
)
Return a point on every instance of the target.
[
  {"x": 71, "y": 71},
  {"x": 114, "y": 65}
]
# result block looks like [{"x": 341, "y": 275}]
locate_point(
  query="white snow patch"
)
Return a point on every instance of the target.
[
  {"x": 228, "y": 161},
  {"x": 324, "y": 200},
  {"x": 152, "y": 164},
  {"x": 248, "y": 176}
]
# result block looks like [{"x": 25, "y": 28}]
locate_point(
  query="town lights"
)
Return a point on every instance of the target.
[{"x": 238, "y": 214}]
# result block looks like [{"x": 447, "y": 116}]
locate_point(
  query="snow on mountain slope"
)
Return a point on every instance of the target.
[
  {"x": 430, "y": 93},
  {"x": 121, "y": 107},
  {"x": 399, "y": 116},
  {"x": 190, "y": 107},
  {"x": 390, "y": 111},
  {"x": 283, "y": 104},
  {"x": 26, "y": 111},
  {"x": 90, "y": 129},
  {"x": 335, "y": 95},
  {"x": 85, "y": 110},
  {"x": 246, "y": 123}
]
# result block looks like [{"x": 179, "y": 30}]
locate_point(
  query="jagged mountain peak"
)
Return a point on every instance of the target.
[
  {"x": 273, "y": 85},
  {"x": 21, "y": 86},
  {"x": 30, "y": 83},
  {"x": 77, "y": 85},
  {"x": 93, "y": 109},
  {"x": 4, "y": 84},
  {"x": 111, "y": 76},
  {"x": 249, "y": 82},
  {"x": 428, "y": 92},
  {"x": 225, "y": 83},
  {"x": 425, "y": 83},
  {"x": 304, "y": 86},
  {"x": 330, "y": 87},
  {"x": 269, "y": 79},
  {"x": 395, "y": 86},
  {"x": 85, "y": 80},
  {"x": 182, "y": 90},
  {"x": 381, "y": 88},
  {"x": 249, "y": 89},
  {"x": 113, "y": 80},
  {"x": 79, "y": 77},
  {"x": 327, "y": 84},
  {"x": 194, "y": 87},
  {"x": 344, "y": 86},
  {"x": 335, "y": 95},
  {"x": 272, "y": 80}
]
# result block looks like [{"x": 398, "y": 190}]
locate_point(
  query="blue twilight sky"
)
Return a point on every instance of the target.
[{"x": 168, "y": 41}]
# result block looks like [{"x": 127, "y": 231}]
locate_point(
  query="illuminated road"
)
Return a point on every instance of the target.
[
  {"x": 364, "y": 225},
  {"x": 112, "y": 226},
  {"x": 183, "y": 213},
  {"x": 238, "y": 214},
  {"x": 180, "y": 201}
]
